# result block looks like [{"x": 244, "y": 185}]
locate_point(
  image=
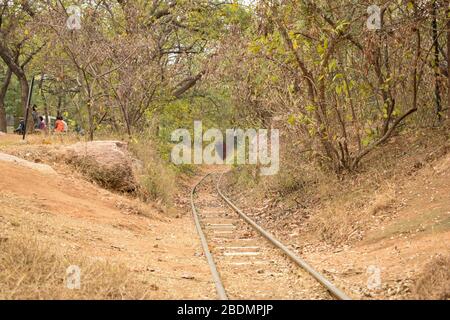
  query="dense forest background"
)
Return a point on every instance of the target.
[{"x": 314, "y": 69}]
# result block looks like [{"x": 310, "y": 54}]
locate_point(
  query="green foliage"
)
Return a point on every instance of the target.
[
  {"x": 156, "y": 177},
  {"x": 159, "y": 66}
]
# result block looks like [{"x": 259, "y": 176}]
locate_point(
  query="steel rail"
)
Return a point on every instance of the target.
[
  {"x": 212, "y": 266},
  {"x": 319, "y": 277}
]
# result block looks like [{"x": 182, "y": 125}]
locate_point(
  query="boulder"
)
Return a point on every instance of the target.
[
  {"x": 43, "y": 168},
  {"x": 108, "y": 163}
]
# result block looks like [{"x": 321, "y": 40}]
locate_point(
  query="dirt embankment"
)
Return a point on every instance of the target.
[
  {"x": 124, "y": 248},
  {"x": 381, "y": 234}
]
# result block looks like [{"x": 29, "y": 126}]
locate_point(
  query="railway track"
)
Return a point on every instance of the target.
[{"x": 246, "y": 261}]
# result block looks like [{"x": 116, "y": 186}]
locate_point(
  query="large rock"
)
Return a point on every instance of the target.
[
  {"x": 43, "y": 168},
  {"x": 108, "y": 163}
]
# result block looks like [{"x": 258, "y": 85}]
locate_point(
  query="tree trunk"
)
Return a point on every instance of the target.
[
  {"x": 437, "y": 89},
  {"x": 11, "y": 61},
  {"x": 24, "y": 88},
  {"x": 126, "y": 118},
  {"x": 91, "y": 120},
  {"x": 3, "y": 124},
  {"x": 44, "y": 99},
  {"x": 58, "y": 106},
  {"x": 447, "y": 11}
]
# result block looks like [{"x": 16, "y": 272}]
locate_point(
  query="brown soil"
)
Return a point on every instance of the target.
[
  {"x": 395, "y": 218},
  {"x": 74, "y": 218},
  {"x": 402, "y": 228}
]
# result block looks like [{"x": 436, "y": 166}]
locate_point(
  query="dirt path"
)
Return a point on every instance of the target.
[{"x": 72, "y": 218}]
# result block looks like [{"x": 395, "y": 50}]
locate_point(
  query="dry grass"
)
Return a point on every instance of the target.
[
  {"x": 40, "y": 139},
  {"x": 341, "y": 220},
  {"x": 337, "y": 209},
  {"x": 382, "y": 202},
  {"x": 30, "y": 270},
  {"x": 116, "y": 177},
  {"x": 335, "y": 226},
  {"x": 434, "y": 282},
  {"x": 157, "y": 181}
]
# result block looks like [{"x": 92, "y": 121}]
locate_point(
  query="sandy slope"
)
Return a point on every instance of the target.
[
  {"x": 75, "y": 218},
  {"x": 401, "y": 246},
  {"x": 400, "y": 239}
]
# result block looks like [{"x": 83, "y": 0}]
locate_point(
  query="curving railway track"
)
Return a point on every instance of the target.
[{"x": 246, "y": 261}]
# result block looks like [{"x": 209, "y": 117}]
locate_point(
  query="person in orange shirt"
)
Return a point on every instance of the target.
[{"x": 59, "y": 124}]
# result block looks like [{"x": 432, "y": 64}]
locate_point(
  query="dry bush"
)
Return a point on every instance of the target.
[
  {"x": 115, "y": 177},
  {"x": 335, "y": 226},
  {"x": 382, "y": 201},
  {"x": 434, "y": 282},
  {"x": 136, "y": 208},
  {"x": 156, "y": 179},
  {"x": 343, "y": 220},
  {"x": 243, "y": 176},
  {"x": 290, "y": 179},
  {"x": 29, "y": 270},
  {"x": 158, "y": 183}
]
